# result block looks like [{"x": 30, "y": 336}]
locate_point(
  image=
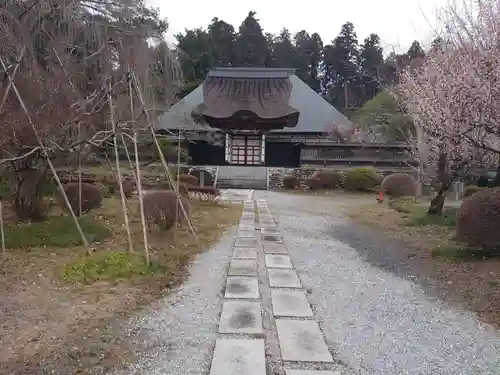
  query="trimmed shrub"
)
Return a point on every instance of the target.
[
  {"x": 208, "y": 180},
  {"x": 328, "y": 179},
  {"x": 471, "y": 189},
  {"x": 160, "y": 209},
  {"x": 361, "y": 179},
  {"x": 91, "y": 197},
  {"x": 312, "y": 182},
  {"x": 483, "y": 181},
  {"x": 399, "y": 185},
  {"x": 188, "y": 180},
  {"x": 478, "y": 220},
  {"x": 128, "y": 188},
  {"x": 290, "y": 182}
]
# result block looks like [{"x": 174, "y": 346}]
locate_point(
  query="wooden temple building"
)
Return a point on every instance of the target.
[{"x": 268, "y": 117}]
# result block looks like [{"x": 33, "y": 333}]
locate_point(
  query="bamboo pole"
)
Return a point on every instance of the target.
[
  {"x": 47, "y": 158},
  {"x": 138, "y": 172},
  {"x": 2, "y": 235},
  {"x": 117, "y": 161},
  {"x": 162, "y": 157}
]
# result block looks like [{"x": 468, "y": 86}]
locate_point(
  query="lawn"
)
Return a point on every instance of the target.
[{"x": 58, "y": 303}]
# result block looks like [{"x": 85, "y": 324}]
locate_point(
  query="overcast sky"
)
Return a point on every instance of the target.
[{"x": 397, "y": 22}]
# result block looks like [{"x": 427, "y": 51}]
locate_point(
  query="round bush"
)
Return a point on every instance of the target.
[
  {"x": 160, "y": 208},
  {"x": 313, "y": 183},
  {"x": 478, "y": 220},
  {"x": 328, "y": 179},
  {"x": 188, "y": 180},
  {"x": 399, "y": 185},
  {"x": 361, "y": 179},
  {"x": 208, "y": 180},
  {"x": 290, "y": 182},
  {"x": 91, "y": 197},
  {"x": 471, "y": 189}
]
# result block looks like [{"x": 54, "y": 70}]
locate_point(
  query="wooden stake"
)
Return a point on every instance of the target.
[
  {"x": 160, "y": 152},
  {"x": 117, "y": 161},
  {"x": 2, "y": 235},
  {"x": 138, "y": 172}
]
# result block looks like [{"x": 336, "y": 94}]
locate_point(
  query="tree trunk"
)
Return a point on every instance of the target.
[
  {"x": 437, "y": 203},
  {"x": 27, "y": 195}
]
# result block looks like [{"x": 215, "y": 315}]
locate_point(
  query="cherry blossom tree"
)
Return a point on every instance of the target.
[{"x": 454, "y": 96}]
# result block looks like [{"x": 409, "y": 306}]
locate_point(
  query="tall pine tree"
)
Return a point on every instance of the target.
[{"x": 251, "y": 44}]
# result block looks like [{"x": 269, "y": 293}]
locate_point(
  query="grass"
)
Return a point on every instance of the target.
[
  {"x": 58, "y": 231},
  {"x": 463, "y": 253},
  {"x": 420, "y": 218},
  {"x": 107, "y": 265}
]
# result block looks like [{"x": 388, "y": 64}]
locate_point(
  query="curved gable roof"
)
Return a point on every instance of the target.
[{"x": 316, "y": 114}]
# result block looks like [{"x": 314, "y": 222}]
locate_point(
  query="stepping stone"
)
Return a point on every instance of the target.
[
  {"x": 246, "y": 233},
  {"x": 311, "y": 372},
  {"x": 248, "y": 215},
  {"x": 243, "y": 267},
  {"x": 278, "y": 261},
  {"x": 272, "y": 238},
  {"x": 290, "y": 303},
  {"x": 246, "y": 227},
  {"x": 301, "y": 340},
  {"x": 245, "y": 242},
  {"x": 242, "y": 287},
  {"x": 269, "y": 231},
  {"x": 238, "y": 357},
  {"x": 283, "y": 278},
  {"x": 241, "y": 317},
  {"x": 274, "y": 248},
  {"x": 244, "y": 253}
]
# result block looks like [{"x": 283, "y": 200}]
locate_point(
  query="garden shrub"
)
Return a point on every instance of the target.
[
  {"x": 361, "y": 179},
  {"x": 208, "y": 180},
  {"x": 471, "y": 189},
  {"x": 328, "y": 179},
  {"x": 399, "y": 185},
  {"x": 160, "y": 208},
  {"x": 128, "y": 188},
  {"x": 290, "y": 182},
  {"x": 188, "y": 180},
  {"x": 91, "y": 197},
  {"x": 313, "y": 183},
  {"x": 483, "y": 181},
  {"x": 478, "y": 220}
]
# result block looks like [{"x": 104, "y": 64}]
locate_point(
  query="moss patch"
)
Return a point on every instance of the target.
[{"x": 58, "y": 231}]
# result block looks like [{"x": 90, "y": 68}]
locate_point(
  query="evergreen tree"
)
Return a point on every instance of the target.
[
  {"x": 251, "y": 44},
  {"x": 222, "y": 43}
]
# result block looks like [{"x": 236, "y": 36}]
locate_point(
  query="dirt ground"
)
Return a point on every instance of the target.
[
  {"x": 473, "y": 284},
  {"x": 52, "y": 327}
]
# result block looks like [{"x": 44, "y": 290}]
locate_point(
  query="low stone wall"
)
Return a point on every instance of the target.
[
  {"x": 276, "y": 175},
  {"x": 148, "y": 179}
]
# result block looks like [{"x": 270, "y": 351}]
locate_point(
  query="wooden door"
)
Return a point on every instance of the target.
[{"x": 245, "y": 150}]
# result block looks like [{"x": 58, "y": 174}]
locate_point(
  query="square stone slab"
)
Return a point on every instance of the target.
[
  {"x": 243, "y": 267},
  {"x": 278, "y": 261},
  {"x": 245, "y": 242},
  {"x": 238, "y": 357},
  {"x": 268, "y": 225},
  {"x": 290, "y": 303},
  {"x": 283, "y": 278},
  {"x": 301, "y": 340},
  {"x": 311, "y": 372},
  {"x": 274, "y": 248},
  {"x": 242, "y": 287},
  {"x": 246, "y": 233},
  {"x": 244, "y": 253},
  {"x": 246, "y": 226},
  {"x": 273, "y": 230},
  {"x": 240, "y": 317},
  {"x": 248, "y": 215},
  {"x": 272, "y": 238}
]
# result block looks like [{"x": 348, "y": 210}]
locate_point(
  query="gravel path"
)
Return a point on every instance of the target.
[
  {"x": 244, "y": 311},
  {"x": 376, "y": 322}
]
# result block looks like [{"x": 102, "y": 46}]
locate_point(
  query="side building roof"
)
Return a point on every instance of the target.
[{"x": 316, "y": 114}]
